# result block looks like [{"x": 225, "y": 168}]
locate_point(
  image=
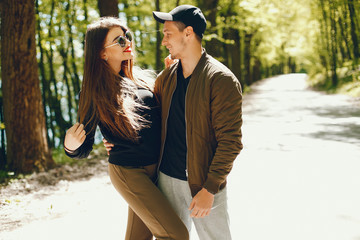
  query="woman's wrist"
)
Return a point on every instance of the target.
[{"x": 68, "y": 150}]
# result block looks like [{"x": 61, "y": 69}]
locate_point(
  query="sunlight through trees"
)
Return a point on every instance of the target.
[{"x": 254, "y": 38}]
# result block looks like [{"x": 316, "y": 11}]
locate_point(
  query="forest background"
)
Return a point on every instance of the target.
[{"x": 42, "y": 57}]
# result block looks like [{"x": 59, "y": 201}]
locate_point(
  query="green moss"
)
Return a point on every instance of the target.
[
  {"x": 60, "y": 158},
  {"x": 348, "y": 82}
]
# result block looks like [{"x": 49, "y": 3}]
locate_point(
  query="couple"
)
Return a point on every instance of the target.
[{"x": 181, "y": 132}]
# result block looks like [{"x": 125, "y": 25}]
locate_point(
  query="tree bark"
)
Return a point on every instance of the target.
[
  {"x": 353, "y": 29},
  {"x": 235, "y": 54},
  {"x": 209, "y": 9},
  {"x": 108, "y": 8},
  {"x": 345, "y": 28},
  {"x": 325, "y": 35},
  {"x": 64, "y": 54},
  {"x": 159, "y": 62},
  {"x": 75, "y": 76},
  {"x": 54, "y": 103},
  {"x": 2, "y": 137},
  {"x": 334, "y": 78},
  {"x": 46, "y": 92},
  {"x": 256, "y": 70},
  {"x": 233, "y": 51},
  {"x": 340, "y": 39},
  {"x": 247, "y": 58},
  {"x": 27, "y": 147}
]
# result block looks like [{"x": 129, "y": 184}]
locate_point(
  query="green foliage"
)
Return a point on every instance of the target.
[
  {"x": 61, "y": 158},
  {"x": 271, "y": 37},
  {"x": 335, "y": 61},
  {"x": 4, "y": 175},
  {"x": 138, "y": 17},
  {"x": 349, "y": 83}
]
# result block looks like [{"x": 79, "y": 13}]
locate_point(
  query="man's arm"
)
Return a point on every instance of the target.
[
  {"x": 226, "y": 100},
  {"x": 226, "y": 115}
]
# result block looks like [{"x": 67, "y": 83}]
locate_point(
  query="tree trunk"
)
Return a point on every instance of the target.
[
  {"x": 353, "y": 29},
  {"x": 334, "y": 78},
  {"x": 86, "y": 21},
  {"x": 345, "y": 29},
  {"x": 64, "y": 54},
  {"x": 292, "y": 65},
  {"x": 85, "y": 10},
  {"x": 2, "y": 137},
  {"x": 27, "y": 147},
  {"x": 54, "y": 103},
  {"x": 209, "y": 9},
  {"x": 235, "y": 54},
  {"x": 159, "y": 62},
  {"x": 108, "y": 8},
  {"x": 247, "y": 58},
  {"x": 46, "y": 92},
  {"x": 75, "y": 76},
  {"x": 340, "y": 41},
  {"x": 256, "y": 72},
  {"x": 325, "y": 35}
]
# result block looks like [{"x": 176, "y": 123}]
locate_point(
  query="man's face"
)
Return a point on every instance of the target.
[{"x": 173, "y": 39}]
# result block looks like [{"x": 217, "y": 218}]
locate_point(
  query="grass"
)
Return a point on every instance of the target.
[
  {"x": 60, "y": 159},
  {"x": 9, "y": 176},
  {"x": 348, "y": 82}
]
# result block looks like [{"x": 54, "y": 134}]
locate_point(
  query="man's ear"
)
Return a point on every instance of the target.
[{"x": 189, "y": 30}]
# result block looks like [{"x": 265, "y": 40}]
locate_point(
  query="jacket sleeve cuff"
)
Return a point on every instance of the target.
[
  {"x": 211, "y": 185},
  {"x": 72, "y": 154}
]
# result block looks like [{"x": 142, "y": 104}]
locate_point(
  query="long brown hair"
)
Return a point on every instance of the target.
[{"x": 108, "y": 96}]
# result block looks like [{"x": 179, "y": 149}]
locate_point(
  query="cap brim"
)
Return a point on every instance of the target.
[{"x": 162, "y": 17}]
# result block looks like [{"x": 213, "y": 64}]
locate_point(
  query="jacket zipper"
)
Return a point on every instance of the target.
[
  {"x": 166, "y": 121},
  {"x": 186, "y": 137}
]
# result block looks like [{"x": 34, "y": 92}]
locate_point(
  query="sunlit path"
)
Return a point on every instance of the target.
[
  {"x": 298, "y": 176},
  {"x": 296, "y": 179}
]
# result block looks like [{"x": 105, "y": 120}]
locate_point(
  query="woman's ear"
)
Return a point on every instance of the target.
[{"x": 104, "y": 56}]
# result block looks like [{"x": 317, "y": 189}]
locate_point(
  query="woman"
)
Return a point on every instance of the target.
[{"x": 118, "y": 98}]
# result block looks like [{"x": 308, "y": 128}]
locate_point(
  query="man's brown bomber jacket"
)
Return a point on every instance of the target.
[{"x": 213, "y": 117}]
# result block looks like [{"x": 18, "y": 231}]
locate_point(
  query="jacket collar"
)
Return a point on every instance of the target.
[
  {"x": 200, "y": 65},
  {"x": 198, "y": 69}
]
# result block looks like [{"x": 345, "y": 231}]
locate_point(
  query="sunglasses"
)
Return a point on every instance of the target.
[{"x": 122, "y": 40}]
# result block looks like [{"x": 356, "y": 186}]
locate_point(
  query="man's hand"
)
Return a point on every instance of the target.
[
  {"x": 75, "y": 137},
  {"x": 107, "y": 145},
  {"x": 201, "y": 204},
  {"x": 169, "y": 61}
]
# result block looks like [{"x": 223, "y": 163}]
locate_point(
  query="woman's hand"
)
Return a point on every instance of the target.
[
  {"x": 75, "y": 137},
  {"x": 169, "y": 61},
  {"x": 107, "y": 145}
]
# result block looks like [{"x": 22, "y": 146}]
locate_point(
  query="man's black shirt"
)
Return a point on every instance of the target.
[{"x": 173, "y": 161}]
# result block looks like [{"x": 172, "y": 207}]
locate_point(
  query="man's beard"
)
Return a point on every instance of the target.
[{"x": 176, "y": 55}]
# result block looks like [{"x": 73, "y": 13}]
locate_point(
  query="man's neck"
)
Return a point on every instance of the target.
[{"x": 190, "y": 61}]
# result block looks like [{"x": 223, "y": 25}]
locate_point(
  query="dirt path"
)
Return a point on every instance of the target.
[{"x": 297, "y": 177}]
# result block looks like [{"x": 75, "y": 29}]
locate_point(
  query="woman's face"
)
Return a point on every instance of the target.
[{"x": 113, "y": 53}]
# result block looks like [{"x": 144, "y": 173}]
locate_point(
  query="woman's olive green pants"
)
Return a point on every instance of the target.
[{"x": 150, "y": 214}]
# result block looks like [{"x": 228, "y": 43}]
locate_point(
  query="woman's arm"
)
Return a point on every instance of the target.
[{"x": 77, "y": 143}]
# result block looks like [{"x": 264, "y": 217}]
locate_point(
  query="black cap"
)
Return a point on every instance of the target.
[{"x": 187, "y": 14}]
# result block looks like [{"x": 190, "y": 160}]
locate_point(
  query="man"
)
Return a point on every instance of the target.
[{"x": 201, "y": 125}]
